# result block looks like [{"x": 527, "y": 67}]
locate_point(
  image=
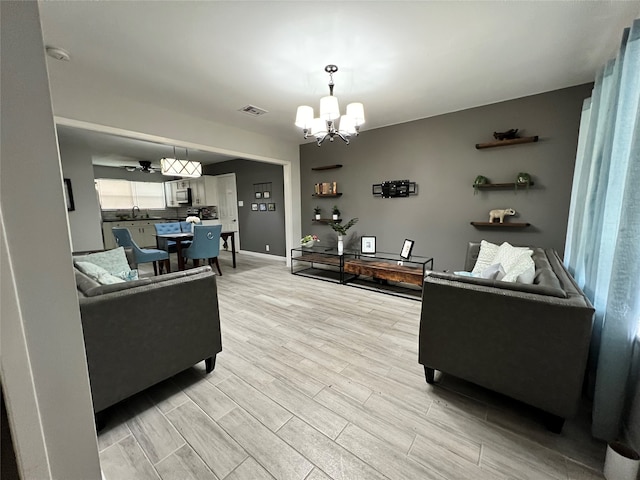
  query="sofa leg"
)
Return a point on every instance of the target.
[
  {"x": 554, "y": 423},
  {"x": 210, "y": 363},
  {"x": 429, "y": 374}
]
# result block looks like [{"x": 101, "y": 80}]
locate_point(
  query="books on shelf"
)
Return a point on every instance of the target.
[{"x": 326, "y": 188}]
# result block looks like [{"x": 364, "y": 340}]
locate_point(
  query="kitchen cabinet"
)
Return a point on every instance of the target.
[
  {"x": 170, "y": 189},
  {"x": 204, "y": 190},
  {"x": 142, "y": 232}
]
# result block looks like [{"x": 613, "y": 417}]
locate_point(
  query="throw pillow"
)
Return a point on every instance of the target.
[
  {"x": 486, "y": 255},
  {"x": 522, "y": 272},
  {"x": 464, "y": 273},
  {"x": 129, "y": 276},
  {"x": 98, "y": 273},
  {"x": 493, "y": 272},
  {"x": 113, "y": 261},
  {"x": 509, "y": 255}
]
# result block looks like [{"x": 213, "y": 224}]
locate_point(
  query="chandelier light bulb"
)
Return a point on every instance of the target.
[{"x": 304, "y": 116}]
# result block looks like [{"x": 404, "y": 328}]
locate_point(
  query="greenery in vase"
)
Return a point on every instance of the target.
[
  {"x": 317, "y": 210},
  {"x": 342, "y": 229},
  {"x": 335, "y": 210}
]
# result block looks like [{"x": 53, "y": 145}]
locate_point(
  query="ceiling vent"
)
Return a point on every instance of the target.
[{"x": 253, "y": 110}]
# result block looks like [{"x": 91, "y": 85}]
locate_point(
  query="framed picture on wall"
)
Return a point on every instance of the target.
[
  {"x": 263, "y": 207},
  {"x": 266, "y": 194},
  {"x": 271, "y": 207},
  {"x": 254, "y": 207},
  {"x": 407, "y": 246},
  {"x": 368, "y": 244},
  {"x": 68, "y": 195},
  {"x": 258, "y": 194}
]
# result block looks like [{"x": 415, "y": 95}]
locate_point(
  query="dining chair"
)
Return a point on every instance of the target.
[
  {"x": 206, "y": 244},
  {"x": 186, "y": 227},
  {"x": 169, "y": 227},
  {"x": 142, "y": 255}
]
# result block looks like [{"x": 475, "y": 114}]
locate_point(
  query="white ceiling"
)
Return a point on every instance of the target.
[{"x": 404, "y": 60}]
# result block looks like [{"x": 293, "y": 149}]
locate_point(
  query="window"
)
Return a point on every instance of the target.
[{"x": 123, "y": 194}]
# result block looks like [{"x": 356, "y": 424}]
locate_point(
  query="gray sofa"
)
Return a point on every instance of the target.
[
  {"x": 529, "y": 342},
  {"x": 141, "y": 332}
]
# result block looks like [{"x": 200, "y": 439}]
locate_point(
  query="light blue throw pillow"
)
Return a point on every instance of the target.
[
  {"x": 113, "y": 261},
  {"x": 98, "y": 273}
]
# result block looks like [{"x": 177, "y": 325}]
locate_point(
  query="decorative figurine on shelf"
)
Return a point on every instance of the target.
[
  {"x": 317, "y": 211},
  {"x": 523, "y": 178},
  {"x": 480, "y": 180},
  {"x": 500, "y": 213},
  {"x": 508, "y": 135},
  {"x": 335, "y": 212},
  {"x": 342, "y": 230}
]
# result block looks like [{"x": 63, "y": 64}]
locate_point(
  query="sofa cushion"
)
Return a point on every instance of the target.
[
  {"x": 523, "y": 271},
  {"x": 99, "y": 274},
  {"x": 493, "y": 272},
  {"x": 113, "y": 261},
  {"x": 116, "y": 287},
  {"x": 486, "y": 255},
  {"x": 508, "y": 255}
]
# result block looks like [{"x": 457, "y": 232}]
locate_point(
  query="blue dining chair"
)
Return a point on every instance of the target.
[
  {"x": 142, "y": 255},
  {"x": 206, "y": 244},
  {"x": 169, "y": 227}
]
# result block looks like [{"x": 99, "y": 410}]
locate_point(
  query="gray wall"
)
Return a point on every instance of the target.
[
  {"x": 84, "y": 221},
  {"x": 439, "y": 154},
  {"x": 257, "y": 229}
]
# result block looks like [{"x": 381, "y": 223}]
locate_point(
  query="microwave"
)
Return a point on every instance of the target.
[{"x": 183, "y": 196}]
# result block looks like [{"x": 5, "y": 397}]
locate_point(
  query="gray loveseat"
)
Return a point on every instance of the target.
[
  {"x": 529, "y": 342},
  {"x": 141, "y": 332}
]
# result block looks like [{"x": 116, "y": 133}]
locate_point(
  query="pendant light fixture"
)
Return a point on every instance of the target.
[
  {"x": 180, "y": 168},
  {"x": 330, "y": 124}
]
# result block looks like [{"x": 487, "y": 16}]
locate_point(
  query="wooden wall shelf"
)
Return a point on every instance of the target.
[
  {"x": 327, "y": 167},
  {"x": 326, "y": 220},
  {"x": 500, "y": 225},
  {"x": 327, "y": 195},
  {"x": 489, "y": 186},
  {"x": 504, "y": 143}
]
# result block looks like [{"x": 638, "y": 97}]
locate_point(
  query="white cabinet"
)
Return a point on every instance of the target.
[
  {"x": 204, "y": 191},
  {"x": 142, "y": 232},
  {"x": 171, "y": 187}
]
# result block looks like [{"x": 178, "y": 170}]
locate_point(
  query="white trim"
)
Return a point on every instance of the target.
[{"x": 263, "y": 255}]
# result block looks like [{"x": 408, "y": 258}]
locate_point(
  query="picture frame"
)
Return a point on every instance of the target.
[
  {"x": 407, "y": 246},
  {"x": 254, "y": 207},
  {"x": 68, "y": 195},
  {"x": 266, "y": 194},
  {"x": 271, "y": 207},
  {"x": 258, "y": 194},
  {"x": 367, "y": 244},
  {"x": 263, "y": 207}
]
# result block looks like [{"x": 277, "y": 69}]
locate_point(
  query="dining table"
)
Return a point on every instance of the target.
[{"x": 179, "y": 236}]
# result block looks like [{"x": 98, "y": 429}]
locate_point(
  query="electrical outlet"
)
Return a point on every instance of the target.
[{"x": 266, "y": 247}]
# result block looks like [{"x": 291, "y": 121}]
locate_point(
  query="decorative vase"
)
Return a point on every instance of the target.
[
  {"x": 308, "y": 244},
  {"x": 340, "y": 245},
  {"x": 317, "y": 216},
  {"x": 621, "y": 462},
  {"x": 335, "y": 216}
]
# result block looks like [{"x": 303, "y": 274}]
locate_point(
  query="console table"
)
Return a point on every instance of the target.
[{"x": 369, "y": 271}]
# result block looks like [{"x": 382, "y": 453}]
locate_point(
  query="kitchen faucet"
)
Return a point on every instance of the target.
[{"x": 133, "y": 211}]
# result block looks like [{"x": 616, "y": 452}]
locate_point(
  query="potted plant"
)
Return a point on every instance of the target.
[
  {"x": 523, "y": 179},
  {"x": 335, "y": 212},
  {"x": 317, "y": 211},
  {"x": 342, "y": 230}
]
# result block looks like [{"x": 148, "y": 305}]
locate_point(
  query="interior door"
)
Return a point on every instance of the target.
[{"x": 228, "y": 205}]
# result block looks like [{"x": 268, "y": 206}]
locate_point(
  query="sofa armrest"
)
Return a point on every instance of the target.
[{"x": 529, "y": 346}]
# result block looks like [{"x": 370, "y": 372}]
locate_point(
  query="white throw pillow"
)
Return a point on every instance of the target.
[
  {"x": 509, "y": 255},
  {"x": 486, "y": 255},
  {"x": 522, "y": 272},
  {"x": 113, "y": 261},
  {"x": 98, "y": 273},
  {"x": 493, "y": 272}
]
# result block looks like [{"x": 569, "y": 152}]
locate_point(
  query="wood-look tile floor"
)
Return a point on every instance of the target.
[{"x": 321, "y": 381}]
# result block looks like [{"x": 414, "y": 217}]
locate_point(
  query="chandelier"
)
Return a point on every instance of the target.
[
  {"x": 327, "y": 124},
  {"x": 180, "y": 168}
]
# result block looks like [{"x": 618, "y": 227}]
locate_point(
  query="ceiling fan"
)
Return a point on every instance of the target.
[{"x": 145, "y": 167}]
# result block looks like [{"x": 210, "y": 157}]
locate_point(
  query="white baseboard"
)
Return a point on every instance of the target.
[{"x": 262, "y": 255}]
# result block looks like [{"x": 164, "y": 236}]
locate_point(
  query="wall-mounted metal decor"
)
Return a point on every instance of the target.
[{"x": 394, "y": 188}]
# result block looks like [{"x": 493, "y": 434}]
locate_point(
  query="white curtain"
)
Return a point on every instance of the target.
[{"x": 602, "y": 248}]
